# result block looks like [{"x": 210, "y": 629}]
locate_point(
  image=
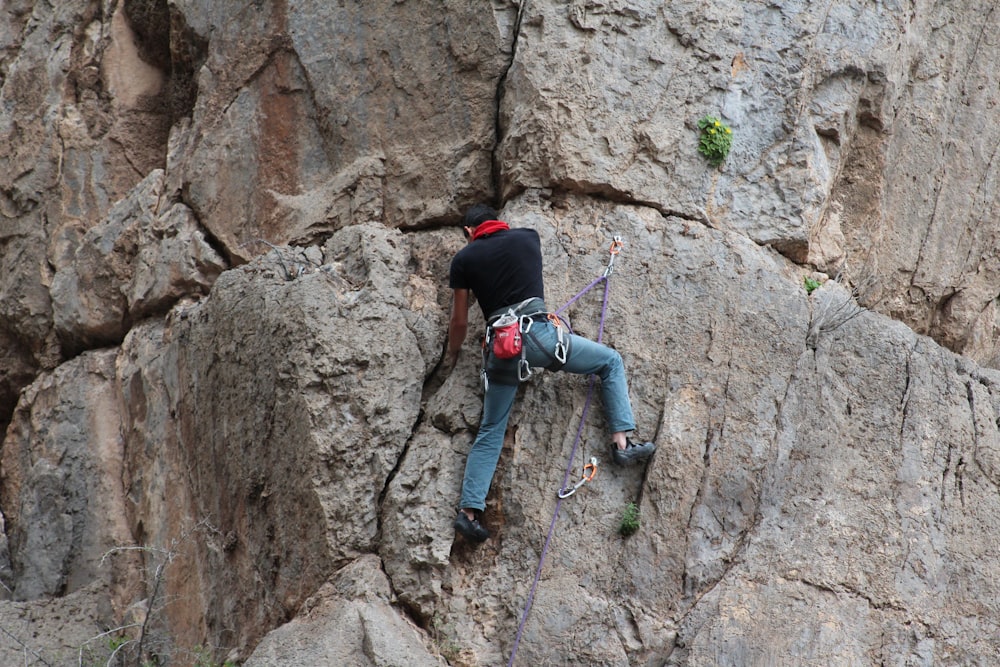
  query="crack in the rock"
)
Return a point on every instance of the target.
[
  {"x": 949, "y": 449},
  {"x": 409, "y": 610},
  {"x": 183, "y": 197},
  {"x": 613, "y": 195},
  {"x": 735, "y": 556},
  {"x": 841, "y": 588},
  {"x": 395, "y": 471},
  {"x": 904, "y": 400},
  {"x": 713, "y": 436},
  {"x": 961, "y": 464},
  {"x": 498, "y": 101}
]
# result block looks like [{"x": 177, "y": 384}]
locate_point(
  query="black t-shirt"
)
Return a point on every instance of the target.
[{"x": 502, "y": 269}]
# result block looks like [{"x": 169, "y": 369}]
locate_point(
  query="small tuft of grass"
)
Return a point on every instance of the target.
[{"x": 630, "y": 520}]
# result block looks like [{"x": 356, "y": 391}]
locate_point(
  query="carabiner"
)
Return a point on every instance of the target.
[
  {"x": 592, "y": 468},
  {"x": 616, "y": 247},
  {"x": 560, "y": 352},
  {"x": 561, "y": 348}
]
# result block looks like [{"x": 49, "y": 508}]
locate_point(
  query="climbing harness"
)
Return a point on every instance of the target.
[
  {"x": 504, "y": 338},
  {"x": 616, "y": 246},
  {"x": 589, "y": 471}
]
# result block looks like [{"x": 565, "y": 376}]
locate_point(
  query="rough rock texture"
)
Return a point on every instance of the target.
[
  {"x": 331, "y": 118},
  {"x": 351, "y": 611},
  {"x": 139, "y": 261},
  {"x": 225, "y": 232},
  {"x": 60, "y": 476}
]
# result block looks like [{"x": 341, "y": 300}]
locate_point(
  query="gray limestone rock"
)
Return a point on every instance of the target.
[
  {"x": 225, "y": 235},
  {"x": 137, "y": 263},
  {"x": 353, "y": 609}
]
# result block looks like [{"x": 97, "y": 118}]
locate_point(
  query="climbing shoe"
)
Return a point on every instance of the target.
[
  {"x": 470, "y": 529},
  {"x": 634, "y": 451}
]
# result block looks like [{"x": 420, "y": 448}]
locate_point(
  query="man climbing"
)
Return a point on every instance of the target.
[{"x": 502, "y": 267}]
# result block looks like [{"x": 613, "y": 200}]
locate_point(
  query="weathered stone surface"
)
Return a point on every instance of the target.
[
  {"x": 59, "y": 485},
  {"x": 294, "y": 389},
  {"x": 142, "y": 259},
  {"x": 78, "y": 130},
  {"x": 604, "y": 98},
  {"x": 374, "y": 111},
  {"x": 890, "y": 568},
  {"x": 156, "y": 483},
  {"x": 57, "y": 631},
  {"x": 919, "y": 197},
  {"x": 291, "y": 454},
  {"x": 352, "y": 610}
]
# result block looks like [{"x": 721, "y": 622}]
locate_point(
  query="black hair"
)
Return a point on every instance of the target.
[{"x": 479, "y": 214}]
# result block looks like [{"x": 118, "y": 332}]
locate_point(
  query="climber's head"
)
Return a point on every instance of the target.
[{"x": 475, "y": 216}]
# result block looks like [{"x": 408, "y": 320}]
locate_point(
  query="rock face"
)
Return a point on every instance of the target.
[{"x": 225, "y": 235}]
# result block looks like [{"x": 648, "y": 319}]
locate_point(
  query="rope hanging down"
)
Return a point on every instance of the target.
[{"x": 616, "y": 247}]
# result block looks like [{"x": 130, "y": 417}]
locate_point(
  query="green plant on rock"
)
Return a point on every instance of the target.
[
  {"x": 630, "y": 520},
  {"x": 443, "y": 635},
  {"x": 716, "y": 139},
  {"x": 203, "y": 658},
  {"x": 811, "y": 284}
]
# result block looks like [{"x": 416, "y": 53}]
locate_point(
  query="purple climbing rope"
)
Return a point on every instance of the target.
[{"x": 579, "y": 432}]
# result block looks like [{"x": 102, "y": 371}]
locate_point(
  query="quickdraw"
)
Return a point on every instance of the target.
[
  {"x": 561, "y": 349},
  {"x": 616, "y": 247},
  {"x": 589, "y": 471}
]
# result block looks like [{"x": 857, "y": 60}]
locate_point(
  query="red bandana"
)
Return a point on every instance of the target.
[{"x": 488, "y": 227}]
